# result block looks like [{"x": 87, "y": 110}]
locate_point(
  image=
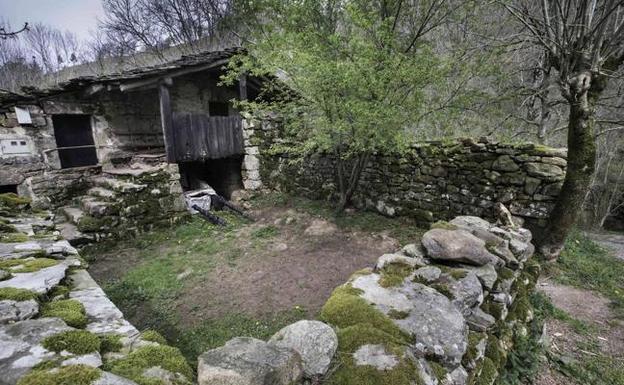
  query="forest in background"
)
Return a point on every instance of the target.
[{"x": 494, "y": 81}]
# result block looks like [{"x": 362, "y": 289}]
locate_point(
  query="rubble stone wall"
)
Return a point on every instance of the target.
[{"x": 432, "y": 181}]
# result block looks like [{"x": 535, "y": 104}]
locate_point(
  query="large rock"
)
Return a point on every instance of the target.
[
  {"x": 248, "y": 361},
  {"x": 315, "y": 342},
  {"x": 376, "y": 356},
  {"x": 457, "y": 246},
  {"x": 40, "y": 281},
  {"x": 437, "y": 325},
  {"x": 467, "y": 292},
  {"x": 20, "y": 346},
  {"x": 11, "y": 311}
]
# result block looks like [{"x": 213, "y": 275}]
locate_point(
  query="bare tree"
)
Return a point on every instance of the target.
[
  {"x": 584, "y": 41},
  {"x": 6, "y": 33}
]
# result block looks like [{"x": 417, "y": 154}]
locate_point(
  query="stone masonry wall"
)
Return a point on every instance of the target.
[{"x": 433, "y": 181}]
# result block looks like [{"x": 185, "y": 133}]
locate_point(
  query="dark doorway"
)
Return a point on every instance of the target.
[
  {"x": 74, "y": 140},
  {"x": 223, "y": 175},
  {"x": 8, "y": 188}
]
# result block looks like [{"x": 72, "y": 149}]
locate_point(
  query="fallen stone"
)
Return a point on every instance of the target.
[
  {"x": 11, "y": 311},
  {"x": 457, "y": 246},
  {"x": 248, "y": 361},
  {"x": 467, "y": 292},
  {"x": 479, "y": 321},
  {"x": 375, "y": 356},
  {"x": 315, "y": 342}
]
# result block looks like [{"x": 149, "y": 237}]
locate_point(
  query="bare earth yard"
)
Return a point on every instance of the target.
[{"x": 199, "y": 284}]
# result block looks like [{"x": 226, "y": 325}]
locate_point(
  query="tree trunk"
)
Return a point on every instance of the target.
[
  {"x": 581, "y": 165},
  {"x": 348, "y": 183}
]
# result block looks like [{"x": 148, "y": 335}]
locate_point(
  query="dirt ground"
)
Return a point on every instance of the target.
[{"x": 299, "y": 265}]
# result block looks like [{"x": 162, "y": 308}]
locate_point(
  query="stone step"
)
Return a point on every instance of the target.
[
  {"x": 118, "y": 185},
  {"x": 71, "y": 234},
  {"x": 73, "y": 214},
  {"x": 95, "y": 207},
  {"x": 101, "y": 192}
]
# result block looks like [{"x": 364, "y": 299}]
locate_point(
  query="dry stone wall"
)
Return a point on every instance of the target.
[
  {"x": 56, "y": 323},
  {"x": 445, "y": 310},
  {"x": 432, "y": 181}
]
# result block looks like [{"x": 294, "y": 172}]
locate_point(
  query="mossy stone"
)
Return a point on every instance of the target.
[
  {"x": 69, "y": 310},
  {"x": 443, "y": 225},
  {"x": 14, "y": 294},
  {"x": 438, "y": 370},
  {"x": 13, "y": 201},
  {"x": 66, "y": 375},
  {"x": 7, "y": 228},
  {"x": 347, "y": 373},
  {"x": 394, "y": 274},
  {"x": 134, "y": 364},
  {"x": 488, "y": 373},
  {"x": 110, "y": 343},
  {"x": 13, "y": 238},
  {"x": 73, "y": 341},
  {"x": 352, "y": 337},
  {"x": 27, "y": 265},
  {"x": 59, "y": 291}
]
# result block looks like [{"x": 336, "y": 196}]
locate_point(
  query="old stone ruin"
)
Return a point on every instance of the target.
[{"x": 443, "y": 310}]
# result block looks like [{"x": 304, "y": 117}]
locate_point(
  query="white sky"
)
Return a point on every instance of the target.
[{"x": 78, "y": 16}]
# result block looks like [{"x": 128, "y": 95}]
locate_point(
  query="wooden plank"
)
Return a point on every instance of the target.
[{"x": 167, "y": 122}]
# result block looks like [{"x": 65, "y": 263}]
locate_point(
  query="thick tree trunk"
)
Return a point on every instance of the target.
[
  {"x": 348, "y": 183},
  {"x": 581, "y": 166}
]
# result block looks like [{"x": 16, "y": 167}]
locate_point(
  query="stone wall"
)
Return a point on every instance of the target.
[
  {"x": 445, "y": 310},
  {"x": 433, "y": 181},
  {"x": 56, "y": 323}
]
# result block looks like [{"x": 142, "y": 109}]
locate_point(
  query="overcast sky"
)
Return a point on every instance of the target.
[{"x": 78, "y": 16}]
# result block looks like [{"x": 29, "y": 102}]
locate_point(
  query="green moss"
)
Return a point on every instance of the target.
[
  {"x": 153, "y": 336},
  {"x": 133, "y": 365},
  {"x": 438, "y": 370},
  {"x": 352, "y": 337},
  {"x": 59, "y": 291},
  {"x": 488, "y": 373},
  {"x": 405, "y": 373},
  {"x": 110, "y": 343},
  {"x": 345, "y": 308},
  {"x": 48, "y": 364},
  {"x": 12, "y": 200},
  {"x": 89, "y": 224},
  {"x": 66, "y": 375},
  {"x": 494, "y": 309},
  {"x": 443, "y": 225},
  {"x": 394, "y": 274},
  {"x": 13, "y": 238},
  {"x": 69, "y": 310},
  {"x": 494, "y": 352},
  {"x": 397, "y": 314},
  {"x": 505, "y": 273},
  {"x": 7, "y": 228},
  {"x": 521, "y": 309},
  {"x": 15, "y": 294},
  {"x": 74, "y": 341},
  {"x": 458, "y": 273},
  {"x": 472, "y": 351},
  {"x": 27, "y": 265},
  {"x": 444, "y": 290}
]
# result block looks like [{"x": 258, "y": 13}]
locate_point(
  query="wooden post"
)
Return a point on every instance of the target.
[
  {"x": 242, "y": 87},
  {"x": 166, "y": 119}
]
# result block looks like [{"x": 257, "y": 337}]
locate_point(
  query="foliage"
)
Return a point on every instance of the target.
[
  {"x": 74, "y": 341},
  {"x": 110, "y": 343},
  {"x": 69, "y": 310}
]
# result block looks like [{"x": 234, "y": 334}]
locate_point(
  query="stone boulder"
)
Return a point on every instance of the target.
[
  {"x": 376, "y": 356},
  {"x": 11, "y": 311},
  {"x": 315, "y": 341},
  {"x": 248, "y": 361},
  {"x": 467, "y": 292},
  {"x": 458, "y": 246}
]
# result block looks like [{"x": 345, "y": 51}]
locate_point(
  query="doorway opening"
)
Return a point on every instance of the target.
[
  {"x": 223, "y": 175},
  {"x": 8, "y": 188},
  {"x": 74, "y": 140}
]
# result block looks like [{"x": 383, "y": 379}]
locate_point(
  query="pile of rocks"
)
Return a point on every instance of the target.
[
  {"x": 57, "y": 324},
  {"x": 445, "y": 310}
]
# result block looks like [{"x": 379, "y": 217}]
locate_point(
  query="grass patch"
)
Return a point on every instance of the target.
[
  {"x": 214, "y": 333},
  {"x": 585, "y": 264},
  {"x": 265, "y": 232}
]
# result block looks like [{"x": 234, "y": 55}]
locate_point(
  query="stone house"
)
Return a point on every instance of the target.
[{"x": 88, "y": 136}]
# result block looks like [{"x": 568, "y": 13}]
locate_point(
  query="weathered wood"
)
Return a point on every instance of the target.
[
  {"x": 166, "y": 119},
  {"x": 242, "y": 87},
  {"x": 201, "y": 137}
]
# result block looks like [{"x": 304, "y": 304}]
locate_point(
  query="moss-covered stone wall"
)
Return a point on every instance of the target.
[{"x": 434, "y": 180}]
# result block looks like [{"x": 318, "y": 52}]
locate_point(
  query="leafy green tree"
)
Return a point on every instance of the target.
[{"x": 357, "y": 74}]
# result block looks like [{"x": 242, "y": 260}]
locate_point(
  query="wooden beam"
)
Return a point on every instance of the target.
[
  {"x": 242, "y": 87},
  {"x": 167, "y": 121},
  {"x": 154, "y": 81}
]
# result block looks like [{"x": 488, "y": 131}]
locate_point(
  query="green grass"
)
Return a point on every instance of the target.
[
  {"x": 214, "y": 333},
  {"x": 585, "y": 264},
  {"x": 404, "y": 229}
]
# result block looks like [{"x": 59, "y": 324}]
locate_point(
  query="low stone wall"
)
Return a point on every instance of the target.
[
  {"x": 433, "y": 181},
  {"x": 56, "y": 323},
  {"x": 446, "y": 310}
]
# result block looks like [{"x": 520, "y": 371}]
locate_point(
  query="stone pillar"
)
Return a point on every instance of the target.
[{"x": 251, "y": 159}]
